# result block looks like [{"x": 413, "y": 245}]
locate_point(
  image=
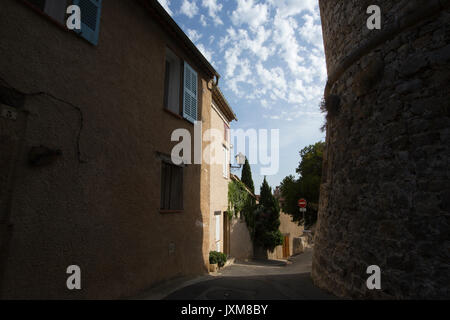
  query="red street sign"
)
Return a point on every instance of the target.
[{"x": 302, "y": 203}]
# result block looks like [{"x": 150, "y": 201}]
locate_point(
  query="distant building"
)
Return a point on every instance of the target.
[{"x": 289, "y": 229}]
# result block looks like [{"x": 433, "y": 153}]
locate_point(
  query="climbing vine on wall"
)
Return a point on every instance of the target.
[
  {"x": 237, "y": 196},
  {"x": 240, "y": 200}
]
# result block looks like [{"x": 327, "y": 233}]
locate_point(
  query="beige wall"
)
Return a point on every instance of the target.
[
  {"x": 103, "y": 213},
  {"x": 218, "y": 183},
  {"x": 241, "y": 246},
  {"x": 287, "y": 228}
]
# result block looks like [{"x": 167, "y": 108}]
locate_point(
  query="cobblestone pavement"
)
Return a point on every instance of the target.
[{"x": 258, "y": 280}]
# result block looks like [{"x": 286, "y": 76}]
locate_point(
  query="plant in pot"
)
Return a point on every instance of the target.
[{"x": 216, "y": 260}]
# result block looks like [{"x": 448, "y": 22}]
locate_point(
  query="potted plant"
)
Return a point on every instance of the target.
[{"x": 216, "y": 260}]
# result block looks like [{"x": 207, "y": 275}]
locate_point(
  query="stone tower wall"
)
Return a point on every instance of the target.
[{"x": 385, "y": 192}]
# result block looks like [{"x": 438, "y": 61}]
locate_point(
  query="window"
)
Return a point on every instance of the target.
[
  {"x": 173, "y": 81},
  {"x": 90, "y": 19},
  {"x": 225, "y": 162},
  {"x": 190, "y": 94},
  {"x": 171, "y": 186},
  {"x": 90, "y": 14}
]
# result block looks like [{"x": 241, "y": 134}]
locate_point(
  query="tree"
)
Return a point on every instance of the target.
[
  {"x": 291, "y": 192},
  {"x": 267, "y": 220},
  {"x": 246, "y": 176},
  {"x": 306, "y": 186}
]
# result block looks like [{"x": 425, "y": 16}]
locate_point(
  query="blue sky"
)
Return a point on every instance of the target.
[{"x": 271, "y": 61}]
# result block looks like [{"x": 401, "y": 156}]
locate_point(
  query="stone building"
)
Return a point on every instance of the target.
[
  {"x": 86, "y": 176},
  {"x": 385, "y": 191}
]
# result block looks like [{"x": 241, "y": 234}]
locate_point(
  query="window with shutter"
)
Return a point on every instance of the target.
[
  {"x": 90, "y": 19},
  {"x": 190, "y": 100}
]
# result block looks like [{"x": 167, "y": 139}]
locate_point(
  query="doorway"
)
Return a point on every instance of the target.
[
  {"x": 286, "y": 252},
  {"x": 226, "y": 234}
]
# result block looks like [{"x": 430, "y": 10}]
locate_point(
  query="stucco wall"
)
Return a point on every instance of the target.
[
  {"x": 101, "y": 213},
  {"x": 287, "y": 228},
  {"x": 241, "y": 245},
  {"x": 218, "y": 183}
]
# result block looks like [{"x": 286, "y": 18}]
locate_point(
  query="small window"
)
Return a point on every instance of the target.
[
  {"x": 225, "y": 162},
  {"x": 172, "y": 81},
  {"x": 171, "y": 187}
]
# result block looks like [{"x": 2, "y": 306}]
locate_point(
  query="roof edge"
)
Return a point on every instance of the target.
[
  {"x": 164, "y": 18},
  {"x": 223, "y": 104}
]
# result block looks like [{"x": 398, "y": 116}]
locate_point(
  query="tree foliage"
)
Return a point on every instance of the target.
[
  {"x": 267, "y": 219},
  {"x": 246, "y": 176},
  {"x": 307, "y": 186},
  {"x": 238, "y": 197},
  {"x": 263, "y": 220},
  {"x": 241, "y": 201}
]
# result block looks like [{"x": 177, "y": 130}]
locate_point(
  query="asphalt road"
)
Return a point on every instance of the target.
[{"x": 258, "y": 280}]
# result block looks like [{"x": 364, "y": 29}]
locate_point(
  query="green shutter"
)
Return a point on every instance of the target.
[
  {"x": 90, "y": 19},
  {"x": 190, "y": 101}
]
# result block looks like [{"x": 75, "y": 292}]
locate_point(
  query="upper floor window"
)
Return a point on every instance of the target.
[
  {"x": 172, "y": 82},
  {"x": 180, "y": 75},
  {"x": 90, "y": 14}
]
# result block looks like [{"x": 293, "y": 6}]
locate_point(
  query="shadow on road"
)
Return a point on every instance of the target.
[{"x": 263, "y": 287}]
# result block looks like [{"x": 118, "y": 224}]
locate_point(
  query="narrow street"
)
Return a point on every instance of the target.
[{"x": 258, "y": 280}]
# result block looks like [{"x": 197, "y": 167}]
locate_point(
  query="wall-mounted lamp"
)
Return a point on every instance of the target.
[{"x": 240, "y": 160}]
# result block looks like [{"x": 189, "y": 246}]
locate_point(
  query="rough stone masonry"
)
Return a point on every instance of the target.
[{"x": 385, "y": 192}]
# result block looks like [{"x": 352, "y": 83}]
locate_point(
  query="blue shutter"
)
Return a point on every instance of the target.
[
  {"x": 90, "y": 19},
  {"x": 190, "y": 101}
]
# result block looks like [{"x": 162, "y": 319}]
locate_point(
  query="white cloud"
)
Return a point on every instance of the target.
[
  {"x": 256, "y": 45},
  {"x": 193, "y": 35},
  {"x": 213, "y": 9},
  {"x": 290, "y": 8},
  {"x": 189, "y": 8},
  {"x": 248, "y": 12},
  {"x": 232, "y": 60},
  {"x": 273, "y": 80},
  {"x": 242, "y": 76},
  {"x": 203, "y": 21},
  {"x": 206, "y": 52},
  {"x": 285, "y": 37},
  {"x": 166, "y": 5},
  {"x": 311, "y": 32}
]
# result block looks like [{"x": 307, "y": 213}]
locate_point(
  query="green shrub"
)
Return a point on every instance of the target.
[{"x": 217, "y": 257}]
